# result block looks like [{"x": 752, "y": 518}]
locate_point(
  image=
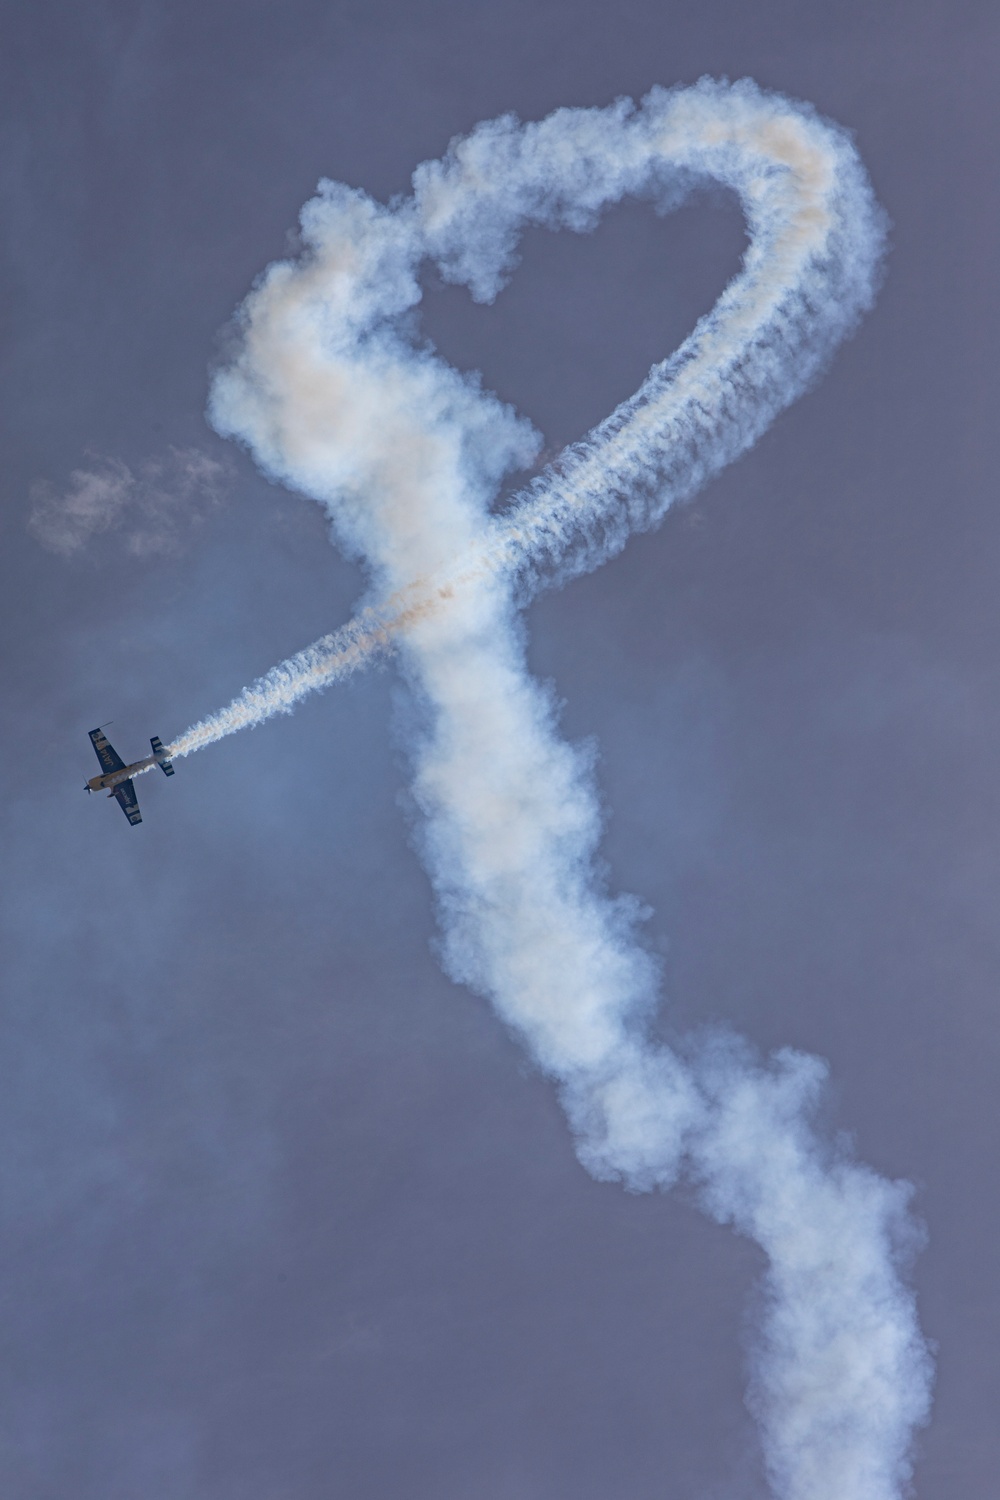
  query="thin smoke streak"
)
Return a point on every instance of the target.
[
  {"x": 332, "y": 395},
  {"x": 337, "y": 656}
]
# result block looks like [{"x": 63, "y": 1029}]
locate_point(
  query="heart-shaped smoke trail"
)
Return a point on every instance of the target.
[{"x": 335, "y": 395}]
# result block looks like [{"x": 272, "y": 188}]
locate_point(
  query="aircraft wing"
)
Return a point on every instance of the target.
[
  {"x": 110, "y": 759},
  {"x": 127, "y": 800}
]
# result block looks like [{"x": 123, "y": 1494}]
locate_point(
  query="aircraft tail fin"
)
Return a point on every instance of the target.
[{"x": 166, "y": 766}]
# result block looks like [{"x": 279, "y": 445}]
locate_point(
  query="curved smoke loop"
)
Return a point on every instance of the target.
[{"x": 335, "y": 396}]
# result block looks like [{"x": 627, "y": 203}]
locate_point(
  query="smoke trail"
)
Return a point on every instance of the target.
[
  {"x": 335, "y": 396},
  {"x": 808, "y": 275}
]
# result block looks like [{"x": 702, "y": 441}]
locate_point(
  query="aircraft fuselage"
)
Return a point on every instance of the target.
[{"x": 112, "y": 779}]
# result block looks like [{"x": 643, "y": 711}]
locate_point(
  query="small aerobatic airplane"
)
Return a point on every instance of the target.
[{"x": 116, "y": 780}]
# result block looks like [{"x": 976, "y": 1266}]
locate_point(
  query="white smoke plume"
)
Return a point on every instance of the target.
[
  {"x": 335, "y": 395},
  {"x": 150, "y": 507}
]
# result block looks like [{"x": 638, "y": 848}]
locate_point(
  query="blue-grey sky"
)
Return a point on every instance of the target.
[{"x": 285, "y": 1213}]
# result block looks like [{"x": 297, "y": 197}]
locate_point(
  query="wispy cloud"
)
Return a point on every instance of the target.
[{"x": 151, "y": 508}]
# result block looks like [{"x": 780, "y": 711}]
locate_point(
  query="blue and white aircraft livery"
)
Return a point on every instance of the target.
[{"x": 117, "y": 776}]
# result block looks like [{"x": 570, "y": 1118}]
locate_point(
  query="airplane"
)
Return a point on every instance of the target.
[{"x": 117, "y": 777}]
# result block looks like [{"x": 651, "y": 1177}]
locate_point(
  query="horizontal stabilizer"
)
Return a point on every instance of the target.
[{"x": 166, "y": 766}]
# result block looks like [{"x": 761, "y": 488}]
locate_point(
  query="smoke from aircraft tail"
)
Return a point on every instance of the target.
[{"x": 334, "y": 395}]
